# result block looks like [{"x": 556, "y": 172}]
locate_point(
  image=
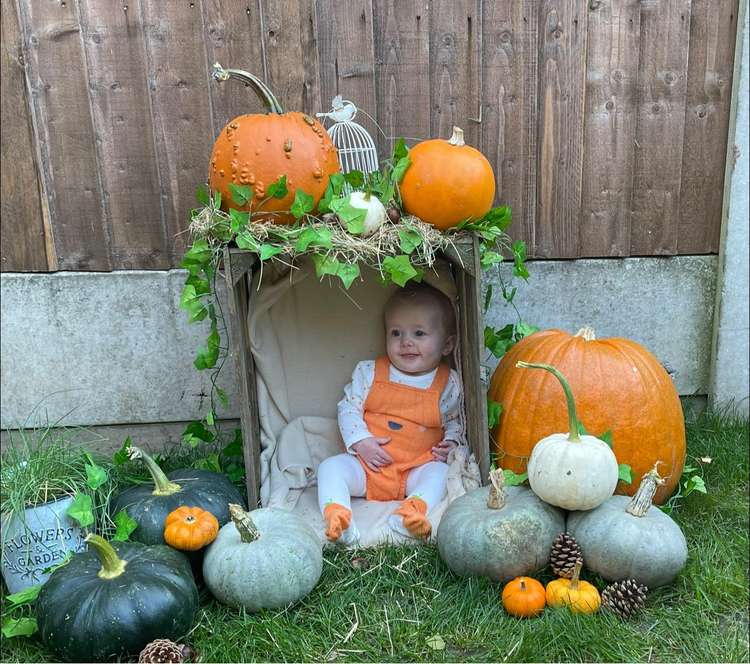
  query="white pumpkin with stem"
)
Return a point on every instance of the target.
[
  {"x": 376, "y": 214},
  {"x": 574, "y": 471}
]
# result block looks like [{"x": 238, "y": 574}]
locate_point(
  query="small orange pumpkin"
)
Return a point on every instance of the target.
[
  {"x": 257, "y": 149},
  {"x": 579, "y": 596},
  {"x": 524, "y": 597},
  {"x": 619, "y": 386},
  {"x": 190, "y": 528},
  {"x": 447, "y": 182}
]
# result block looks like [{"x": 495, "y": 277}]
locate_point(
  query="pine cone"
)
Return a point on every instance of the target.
[
  {"x": 564, "y": 555},
  {"x": 163, "y": 650},
  {"x": 624, "y": 597}
]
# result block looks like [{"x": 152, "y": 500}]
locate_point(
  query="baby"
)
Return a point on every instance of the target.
[{"x": 399, "y": 419}]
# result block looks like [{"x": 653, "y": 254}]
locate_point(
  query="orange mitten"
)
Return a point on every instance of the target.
[
  {"x": 337, "y": 519},
  {"x": 414, "y": 513}
]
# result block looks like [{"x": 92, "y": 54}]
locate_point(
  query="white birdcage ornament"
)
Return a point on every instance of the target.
[{"x": 356, "y": 149}]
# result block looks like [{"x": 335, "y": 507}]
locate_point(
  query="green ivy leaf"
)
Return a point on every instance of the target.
[
  {"x": 80, "y": 510},
  {"x": 509, "y": 294},
  {"x": 409, "y": 240},
  {"x": 325, "y": 265},
  {"x": 498, "y": 217},
  {"x": 494, "y": 410},
  {"x": 210, "y": 418},
  {"x": 303, "y": 204},
  {"x": 490, "y": 258},
  {"x": 242, "y": 194},
  {"x": 277, "y": 189},
  {"x": 313, "y": 237},
  {"x": 235, "y": 447},
  {"x": 95, "y": 476},
  {"x": 121, "y": 456},
  {"x": 245, "y": 240},
  {"x": 624, "y": 473},
  {"x": 347, "y": 273},
  {"x": 399, "y": 269},
  {"x": 210, "y": 462},
  {"x": 269, "y": 250},
  {"x": 25, "y": 596},
  {"x": 235, "y": 472},
  {"x": 519, "y": 260},
  {"x": 13, "y": 627},
  {"x": 400, "y": 150},
  {"x": 222, "y": 397},
  {"x": 606, "y": 437},
  {"x": 514, "y": 479},
  {"x": 353, "y": 218},
  {"x": 124, "y": 526},
  {"x": 217, "y": 199},
  {"x": 523, "y": 329},
  {"x": 238, "y": 220},
  {"x": 199, "y": 253},
  {"x": 202, "y": 194},
  {"x": 399, "y": 169},
  {"x": 695, "y": 483},
  {"x": 196, "y": 433},
  {"x": 355, "y": 179}
]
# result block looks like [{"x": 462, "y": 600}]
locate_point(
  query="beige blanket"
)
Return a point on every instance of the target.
[{"x": 306, "y": 338}]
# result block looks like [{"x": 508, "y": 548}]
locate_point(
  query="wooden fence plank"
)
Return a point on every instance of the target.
[
  {"x": 509, "y": 110},
  {"x": 662, "y": 87},
  {"x": 713, "y": 25},
  {"x": 562, "y": 71},
  {"x": 402, "y": 77},
  {"x": 115, "y": 52},
  {"x": 180, "y": 112},
  {"x": 291, "y": 59},
  {"x": 456, "y": 68},
  {"x": 57, "y": 75},
  {"x": 22, "y": 232},
  {"x": 344, "y": 38},
  {"x": 232, "y": 37},
  {"x": 610, "y": 124}
]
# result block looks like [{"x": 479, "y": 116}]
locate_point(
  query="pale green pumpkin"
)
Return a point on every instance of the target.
[{"x": 264, "y": 559}]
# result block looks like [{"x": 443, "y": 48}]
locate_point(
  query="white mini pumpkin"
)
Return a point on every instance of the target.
[
  {"x": 265, "y": 559},
  {"x": 573, "y": 471},
  {"x": 376, "y": 213}
]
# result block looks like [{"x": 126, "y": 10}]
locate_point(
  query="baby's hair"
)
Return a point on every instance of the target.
[{"x": 421, "y": 293}]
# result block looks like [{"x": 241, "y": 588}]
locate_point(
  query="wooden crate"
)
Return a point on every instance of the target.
[{"x": 239, "y": 266}]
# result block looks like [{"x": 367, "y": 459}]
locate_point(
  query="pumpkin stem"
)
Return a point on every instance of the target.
[
  {"x": 575, "y": 430},
  {"x": 163, "y": 486},
  {"x": 587, "y": 333},
  {"x": 244, "y": 524},
  {"x": 112, "y": 565},
  {"x": 644, "y": 497},
  {"x": 576, "y": 574},
  {"x": 457, "y": 138},
  {"x": 259, "y": 87},
  {"x": 496, "y": 499}
]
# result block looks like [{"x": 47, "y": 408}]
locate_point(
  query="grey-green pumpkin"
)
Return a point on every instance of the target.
[
  {"x": 499, "y": 532},
  {"x": 629, "y": 538},
  {"x": 264, "y": 559}
]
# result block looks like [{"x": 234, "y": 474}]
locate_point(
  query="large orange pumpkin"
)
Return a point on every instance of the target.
[
  {"x": 618, "y": 386},
  {"x": 447, "y": 182},
  {"x": 257, "y": 149}
]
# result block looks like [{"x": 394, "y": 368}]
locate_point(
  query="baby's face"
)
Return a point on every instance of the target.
[{"x": 416, "y": 340}]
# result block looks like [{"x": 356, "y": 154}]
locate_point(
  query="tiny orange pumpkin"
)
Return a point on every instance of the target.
[
  {"x": 190, "y": 528},
  {"x": 579, "y": 596},
  {"x": 524, "y": 597}
]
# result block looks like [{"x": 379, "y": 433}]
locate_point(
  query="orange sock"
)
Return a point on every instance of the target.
[
  {"x": 337, "y": 519},
  {"x": 414, "y": 513}
]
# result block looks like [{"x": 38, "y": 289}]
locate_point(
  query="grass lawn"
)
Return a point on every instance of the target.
[{"x": 400, "y": 604}]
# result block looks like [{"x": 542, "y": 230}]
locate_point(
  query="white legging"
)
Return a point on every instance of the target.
[{"x": 340, "y": 477}]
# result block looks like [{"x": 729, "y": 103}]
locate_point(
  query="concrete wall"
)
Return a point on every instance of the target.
[
  {"x": 115, "y": 349},
  {"x": 730, "y": 378}
]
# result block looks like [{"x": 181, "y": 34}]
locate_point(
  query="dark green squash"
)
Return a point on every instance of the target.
[
  {"x": 149, "y": 505},
  {"x": 113, "y": 599}
]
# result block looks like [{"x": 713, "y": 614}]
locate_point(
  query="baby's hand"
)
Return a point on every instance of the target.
[
  {"x": 372, "y": 453},
  {"x": 441, "y": 450}
]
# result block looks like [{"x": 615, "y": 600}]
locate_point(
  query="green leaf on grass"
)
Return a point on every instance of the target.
[
  {"x": 80, "y": 510},
  {"x": 95, "y": 475},
  {"x": 624, "y": 473},
  {"x": 242, "y": 194},
  {"x": 399, "y": 269},
  {"x": 514, "y": 479},
  {"x": 124, "y": 526},
  {"x": 277, "y": 189},
  {"x": 695, "y": 483},
  {"x": 409, "y": 240},
  {"x": 121, "y": 456},
  {"x": 303, "y": 203},
  {"x": 25, "y": 596},
  {"x": 435, "y": 642},
  {"x": 494, "y": 410},
  {"x": 13, "y": 627}
]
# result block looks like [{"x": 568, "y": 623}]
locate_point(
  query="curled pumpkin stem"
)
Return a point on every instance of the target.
[
  {"x": 644, "y": 497},
  {"x": 244, "y": 524},
  {"x": 496, "y": 499},
  {"x": 163, "y": 486}
]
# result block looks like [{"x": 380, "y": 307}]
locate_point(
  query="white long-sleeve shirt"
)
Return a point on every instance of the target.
[{"x": 351, "y": 408}]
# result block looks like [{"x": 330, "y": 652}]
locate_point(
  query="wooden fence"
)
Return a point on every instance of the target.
[{"x": 606, "y": 120}]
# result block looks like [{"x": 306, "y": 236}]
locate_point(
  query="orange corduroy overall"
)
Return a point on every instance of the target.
[{"x": 410, "y": 417}]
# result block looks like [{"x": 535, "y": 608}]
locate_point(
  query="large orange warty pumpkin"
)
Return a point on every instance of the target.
[
  {"x": 618, "y": 386},
  {"x": 257, "y": 149},
  {"x": 447, "y": 182}
]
